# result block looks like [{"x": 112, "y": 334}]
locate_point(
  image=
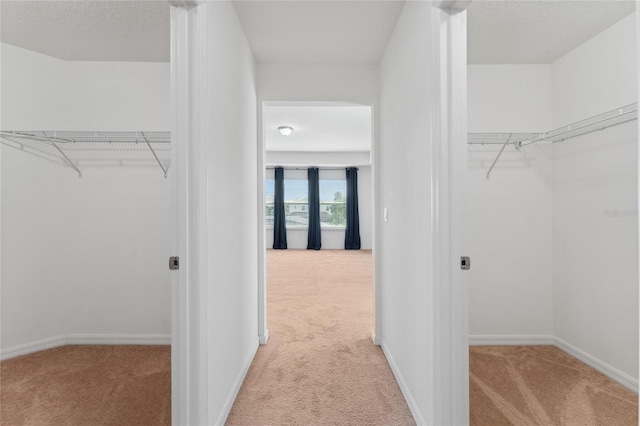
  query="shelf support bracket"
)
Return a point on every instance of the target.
[
  {"x": 64, "y": 156},
  {"x": 164, "y": 169},
  {"x": 499, "y": 154}
]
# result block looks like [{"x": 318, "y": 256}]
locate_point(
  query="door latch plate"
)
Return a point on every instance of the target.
[
  {"x": 465, "y": 263},
  {"x": 174, "y": 263}
]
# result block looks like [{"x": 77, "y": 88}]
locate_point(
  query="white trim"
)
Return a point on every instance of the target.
[
  {"x": 84, "y": 339},
  {"x": 510, "y": 340},
  {"x": 31, "y": 347},
  {"x": 237, "y": 385},
  {"x": 263, "y": 331},
  {"x": 189, "y": 361},
  {"x": 413, "y": 407},
  {"x": 264, "y": 339},
  {"x": 118, "y": 339},
  {"x": 452, "y": 6},
  {"x": 376, "y": 219},
  {"x": 448, "y": 168},
  {"x": 604, "y": 368}
]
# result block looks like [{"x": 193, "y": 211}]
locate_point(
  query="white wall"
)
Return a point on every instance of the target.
[
  {"x": 82, "y": 255},
  {"x": 232, "y": 227},
  {"x": 41, "y": 92},
  {"x": 318, "y": 82},
  {"x": 509, "y": 216},
  {"x": 407, "y": 287},
  {"x": 596, "y": 252}
]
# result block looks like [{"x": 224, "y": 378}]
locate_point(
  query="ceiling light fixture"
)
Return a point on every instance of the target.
[{"x": 285, "y": 130}]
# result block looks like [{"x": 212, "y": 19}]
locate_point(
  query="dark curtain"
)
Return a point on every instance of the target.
[
  {"x": 313, "y": 239},
  {"x": 279, "y": 217},
  {"x": 352, "y": 233}
]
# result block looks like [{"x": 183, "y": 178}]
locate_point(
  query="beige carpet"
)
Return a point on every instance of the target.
[
  {"x": 541, "y": 385},
  {"x": 88, "y": 386},
  {"x": 320, "y": 366}
]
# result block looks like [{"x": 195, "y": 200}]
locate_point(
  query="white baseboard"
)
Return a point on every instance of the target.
[
  {"x": 264, "y": 339},
  {"x": 609, "y": 371},
  {"x": 226, "y": 408},
  {"x": 118, "y": 339},
  {"x": 375, "y": 339},
  {"x": 508, "y": 340},
  {"x": 31, "y": 347},
  {"x": 413, "y": 407},
  {"x": 85, "y": 339}
]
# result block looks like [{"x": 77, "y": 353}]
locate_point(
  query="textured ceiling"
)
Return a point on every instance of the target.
[
  {"x": 318, "y": 31},
  {"x": 536, "y": 32},
  {"x": 318, "y": 128},
  {"x": 89, "y": 30},
  {"x": 508, "y": 31}
]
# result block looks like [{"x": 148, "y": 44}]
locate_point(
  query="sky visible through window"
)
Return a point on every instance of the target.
[{"x": 296, "y": 189}]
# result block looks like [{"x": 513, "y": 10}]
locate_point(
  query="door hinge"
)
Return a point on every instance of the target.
[
  {"x": 465, "y": 263},
  {"x": 174, "y": 263}
]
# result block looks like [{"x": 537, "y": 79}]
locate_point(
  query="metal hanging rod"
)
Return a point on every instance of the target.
[
  {"x": 76, "y": 149},
  {"x": 596, "y": 123},
  {"x": 497, "y": 138},
  {"x": 592, "y": 124},
  {"x": 305, "y": 168}
]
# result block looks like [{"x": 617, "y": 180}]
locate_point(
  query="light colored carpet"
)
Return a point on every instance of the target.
[
  {"x": 320, "y": 366},
  {"x": 88, "y": 385},
  {"x": 541, "y": 385}
]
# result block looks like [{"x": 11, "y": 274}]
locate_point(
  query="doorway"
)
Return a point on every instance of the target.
[{"x": 552, "y": 198}]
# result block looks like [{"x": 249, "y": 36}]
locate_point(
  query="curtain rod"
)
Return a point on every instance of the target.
[{"x": 320, "y": 168}]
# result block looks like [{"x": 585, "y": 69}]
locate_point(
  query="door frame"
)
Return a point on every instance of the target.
[
  {"x": 449, "y": 169},
  {"x": 189, "y": 324},
  {"x": 263, "y": 331}
]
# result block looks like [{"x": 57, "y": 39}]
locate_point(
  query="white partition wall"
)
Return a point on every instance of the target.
[
  {"x": 422, "y": 140},
  {"x": 215, "y": 140}
]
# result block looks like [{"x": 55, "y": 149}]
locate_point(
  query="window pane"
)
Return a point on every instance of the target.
[
  {"x": 296, "y": 203},
  {"x": 268, "y": 201},
  {"x": 333, "y": 199}
]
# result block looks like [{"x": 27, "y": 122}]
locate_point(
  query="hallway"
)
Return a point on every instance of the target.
[{"x": 320, "y": 366}]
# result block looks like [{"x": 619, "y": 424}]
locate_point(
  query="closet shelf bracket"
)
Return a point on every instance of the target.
[
  {"x": 164, "y": 169},
  {"x": 499, "y": 154},
  {"x": 66, "y": 159}
]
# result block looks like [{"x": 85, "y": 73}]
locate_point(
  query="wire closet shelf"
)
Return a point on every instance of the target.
[
  {"x": 79, "y": 149},
  {"x": 76, "y": 149},
  {"x": 596, "y": 123}
]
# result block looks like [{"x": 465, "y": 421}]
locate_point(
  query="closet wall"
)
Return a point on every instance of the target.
[
  {"x": 553, "y": 234},
  {"x": 82, "y": 257},
  {"x": 595, "y": 199},
  {"x": 509, "y": 216}
]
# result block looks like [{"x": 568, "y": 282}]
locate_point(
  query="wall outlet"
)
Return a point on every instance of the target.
[{"x": 386, "y": 214}]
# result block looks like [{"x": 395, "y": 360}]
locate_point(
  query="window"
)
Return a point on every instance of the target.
[
  {"x": 268, "y": 202},
  {"x": 296, "y": 200},
  {"x": 333, "y": 203}
]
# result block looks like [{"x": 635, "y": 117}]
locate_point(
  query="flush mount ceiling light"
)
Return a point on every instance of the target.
[{"x": 285, "y": 130}]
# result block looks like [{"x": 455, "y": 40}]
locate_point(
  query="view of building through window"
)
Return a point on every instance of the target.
[{"x": 333, "y": 199}]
